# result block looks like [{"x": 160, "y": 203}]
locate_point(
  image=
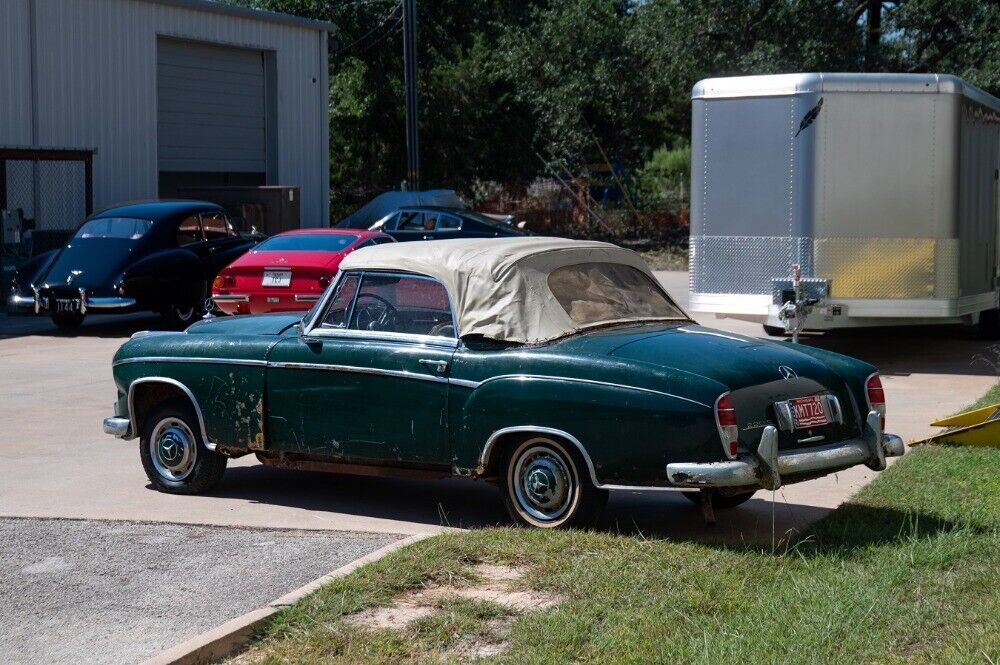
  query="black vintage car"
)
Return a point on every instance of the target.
[
  {"x": 156, "y": 256},
  {"x": 434, "y": 223}
]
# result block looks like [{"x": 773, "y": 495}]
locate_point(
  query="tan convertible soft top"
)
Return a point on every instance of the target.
[{"x": 498, "y": 286}]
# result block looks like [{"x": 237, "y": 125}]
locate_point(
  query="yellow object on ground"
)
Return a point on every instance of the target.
[{"x": 980, "y": 427}]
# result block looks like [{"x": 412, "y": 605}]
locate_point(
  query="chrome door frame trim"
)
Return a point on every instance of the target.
[
  {"x": 320, "y": 334},
  {"x": 312, "y": 329},
  {"x": 177, "y": 384},
  {"x": 551, "y": 431}
]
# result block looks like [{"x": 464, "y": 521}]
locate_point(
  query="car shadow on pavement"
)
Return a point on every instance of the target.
[
  {"x": 915, "y": 349},
  {"x": 470, "y": 504},
  {"x": 106, "y": 326}
]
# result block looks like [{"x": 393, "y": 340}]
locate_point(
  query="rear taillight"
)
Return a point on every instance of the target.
[
  {"x": 876, "y": 396},
  {"x": 223, "y": 282},
  {"x": 324, "y": 282},
  {"x": 725, "y": 418}
]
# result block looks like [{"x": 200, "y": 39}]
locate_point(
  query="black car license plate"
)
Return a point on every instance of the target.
[{"x": 67, "y": 306}]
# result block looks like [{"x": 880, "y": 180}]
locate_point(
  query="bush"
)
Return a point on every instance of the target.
[{"x": 666, "y": 177}]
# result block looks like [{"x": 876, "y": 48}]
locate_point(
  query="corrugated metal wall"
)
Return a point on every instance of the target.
[{"x": 96, "y": 74}]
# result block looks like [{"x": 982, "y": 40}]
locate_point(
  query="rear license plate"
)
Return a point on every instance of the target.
[
  {"x": 277, "y": 278},
  {"x": 809, "y": 412},
  {"x": 64, "y": 306}
]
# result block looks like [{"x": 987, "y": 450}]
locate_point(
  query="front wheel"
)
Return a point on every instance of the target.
[
  {"x": 544, "y": 486},
  {"x": 173, "y": 454}
]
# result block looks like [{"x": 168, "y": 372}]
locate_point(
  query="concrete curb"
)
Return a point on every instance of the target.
[{"x": 230, "y": 637}]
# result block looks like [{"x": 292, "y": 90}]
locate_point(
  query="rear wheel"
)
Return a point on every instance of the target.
[
  {"x": 543, "y": 485},
  {"x": 173, "y": 454},
  {"x": 180, "y": 316},
  {"x": 721, "y": 501},
  {"x": 67, "y": 319},
  {"x": 989, "y": 324}
]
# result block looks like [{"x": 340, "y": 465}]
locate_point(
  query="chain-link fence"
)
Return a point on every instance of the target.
[{"x": 44, "y": 195}]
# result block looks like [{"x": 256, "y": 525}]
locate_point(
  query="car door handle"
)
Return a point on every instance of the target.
[{"x": 439, "y": 366}]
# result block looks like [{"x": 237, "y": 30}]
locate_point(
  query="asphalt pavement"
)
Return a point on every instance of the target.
[
  {"x": 120, "y": 592},
  {"x": 56, "y": 386}
]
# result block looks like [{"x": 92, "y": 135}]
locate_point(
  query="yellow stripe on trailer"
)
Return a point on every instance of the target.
[{"x": 980, "y": 427}]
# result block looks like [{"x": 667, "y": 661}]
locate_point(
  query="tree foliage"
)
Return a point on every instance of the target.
[{"x": 510, "y": 89}]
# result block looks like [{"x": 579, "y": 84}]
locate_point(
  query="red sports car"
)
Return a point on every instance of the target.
[{"x": 288, "y": 271}]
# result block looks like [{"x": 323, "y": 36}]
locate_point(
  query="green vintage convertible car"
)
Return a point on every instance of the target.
[{"x": 559, "y": 369}]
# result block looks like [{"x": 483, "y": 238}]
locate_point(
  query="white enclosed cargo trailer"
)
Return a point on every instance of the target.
[{"x": 883, "y": 188}]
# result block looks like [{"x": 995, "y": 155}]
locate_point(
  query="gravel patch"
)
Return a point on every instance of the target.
[{"x": 75, "y": 591}]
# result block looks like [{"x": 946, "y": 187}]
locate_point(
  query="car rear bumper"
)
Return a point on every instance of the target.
[
  {"x": 40, "y": 304},
  {"x": 770, "y": 469}
]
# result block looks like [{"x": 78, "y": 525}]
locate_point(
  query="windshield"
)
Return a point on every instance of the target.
[
  {"x": 115, "y": 227},
  {"x": 307, "y": 242},
  {"x": 595, "y": 293}
]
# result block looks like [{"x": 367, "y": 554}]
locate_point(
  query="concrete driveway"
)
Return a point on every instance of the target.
[{"x": 56, "y": 387}]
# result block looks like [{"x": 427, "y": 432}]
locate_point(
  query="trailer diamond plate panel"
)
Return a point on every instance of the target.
[{"x": 745, "y": 264}]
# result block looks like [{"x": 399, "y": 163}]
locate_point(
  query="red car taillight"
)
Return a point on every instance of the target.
[
  {"x": 876, "y": 396},
  {"x": 223, "y": 282},
  {"x": 725, "y": 418},
  {"x": 324, "y": 282}
]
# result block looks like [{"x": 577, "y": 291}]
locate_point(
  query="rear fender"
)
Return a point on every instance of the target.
[{"x": 629, "y": 434}]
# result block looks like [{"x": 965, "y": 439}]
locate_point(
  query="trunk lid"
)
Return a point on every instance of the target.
[{"x": 757, "y": 372}]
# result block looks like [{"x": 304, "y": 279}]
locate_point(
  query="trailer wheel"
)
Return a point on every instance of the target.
[
  {"x": 989, "y": 324},
  {"x": 774, "y": 331}
]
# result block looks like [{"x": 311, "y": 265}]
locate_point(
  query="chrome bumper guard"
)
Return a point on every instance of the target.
[
  {"x": 767, "y": 466},
  {"x": 117, "y": 426}
]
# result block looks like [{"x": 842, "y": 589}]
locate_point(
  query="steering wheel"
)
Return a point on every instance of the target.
[{"x": 376, "y": 315}]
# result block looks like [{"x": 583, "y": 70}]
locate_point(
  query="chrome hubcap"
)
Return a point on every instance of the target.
[
  {"x": 173, "y": 449},
  {"x": 542, "y": 483}
]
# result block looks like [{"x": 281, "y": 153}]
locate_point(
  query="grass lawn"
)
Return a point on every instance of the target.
[
  {"x": 908, "y": 571},
  {"x": 667, "y": 257}
]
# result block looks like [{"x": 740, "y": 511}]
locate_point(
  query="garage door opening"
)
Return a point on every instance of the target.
[{"x": 215, "y": 109}]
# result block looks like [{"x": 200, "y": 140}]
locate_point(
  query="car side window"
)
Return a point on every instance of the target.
[
  {"x": 189, "y": 231},
  {"x": 411, "y": 221},
  {"x": 402, "y": 304},
  {"x": 216, "y": 225},
  {"x": 340, "y": 304},
  {"x": 449, "y": 223},
  {"x": 382, "y": 240}
]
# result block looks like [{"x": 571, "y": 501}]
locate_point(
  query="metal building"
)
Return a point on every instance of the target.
[{"x": 104, "y": 101}]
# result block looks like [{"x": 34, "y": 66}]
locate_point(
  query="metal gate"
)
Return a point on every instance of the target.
[{"x": 44, "y": 196}]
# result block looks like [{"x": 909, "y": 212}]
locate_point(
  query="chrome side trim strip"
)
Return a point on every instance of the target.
[
  {"x": 231, "y": 297},
  {"x": 464, "y": 383},
  {"x": 541, "y": 377},
  {"x": 351, "y": 369},
  {"x": 307, "y": 297},
  {"x": 179, "y": 359},
  {"x": 174, "y": 382}
]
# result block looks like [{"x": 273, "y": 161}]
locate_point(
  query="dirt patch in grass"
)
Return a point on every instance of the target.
[{"x": 500, "y": 585}]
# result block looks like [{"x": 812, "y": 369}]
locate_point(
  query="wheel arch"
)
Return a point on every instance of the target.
[
  {"x": 146, "y": 392},
  {"x": 489, "y": 458}
]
